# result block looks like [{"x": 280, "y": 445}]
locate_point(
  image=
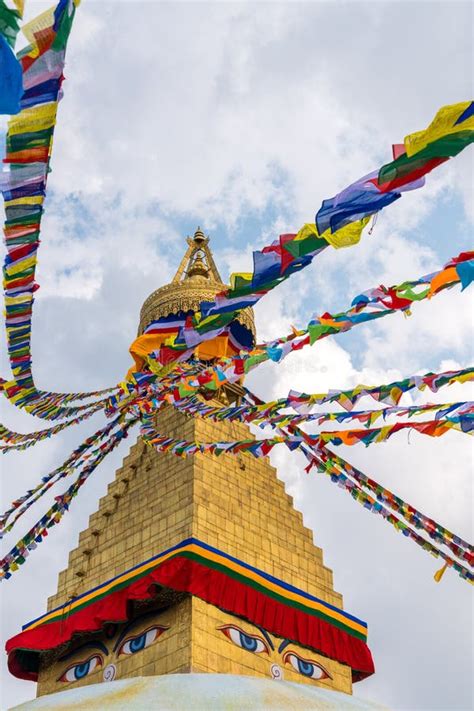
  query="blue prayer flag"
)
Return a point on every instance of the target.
[{"x": 11, "y": 79}]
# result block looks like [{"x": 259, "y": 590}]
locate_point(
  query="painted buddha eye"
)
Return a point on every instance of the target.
[
  {"x": 132, "y": 645},
  {"x": 250, "y": 642},
  {"x": 306, "y": 667},
  {"x": 81, "y": 670}
]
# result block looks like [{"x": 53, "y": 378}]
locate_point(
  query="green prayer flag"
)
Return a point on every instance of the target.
[
  {"x": 301, "y": 247},
  {"x": 64, "y": 27},
  {"x": 446, "y": 147},
  {"x": 317, "y": 330},
  {"x": 9, "y": 25}
]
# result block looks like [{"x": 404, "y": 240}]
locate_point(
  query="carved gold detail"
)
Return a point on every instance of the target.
[{"x": 196, "y": 279}]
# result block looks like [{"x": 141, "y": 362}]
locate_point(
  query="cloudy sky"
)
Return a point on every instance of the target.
[{"x": 241, "y": 118}]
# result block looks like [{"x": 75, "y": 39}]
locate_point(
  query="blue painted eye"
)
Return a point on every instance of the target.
[
  {"x": 305, "y": 668},
  {"x": 136, "y": 644},
  {"x": 312, "y": 670},
  {"x": 80, "y": 671},
  {"x": 249, "y": 642}
]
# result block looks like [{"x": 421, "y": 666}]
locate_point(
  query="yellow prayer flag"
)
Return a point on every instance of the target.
[
  {"x": 383, "y": 434},
  {"x": 24, "y": 264},
  {"x": 34, "y": 200},
  {"x": 307, "y": 230},
  {"x": 161, "y": 370},
  {"x": 442, "y": 125},
  {"x": 35, "y": 119},
  {"x": 21, "y": 395},
  {"x": 347, "y": 235},
  {"x": 8, "y": 384},
  {"x": 396, "y": 394},
  {"x": 14, "y": 300},
  {"x": 465, "y": 378},
  {"x": 375, "y": 416}
]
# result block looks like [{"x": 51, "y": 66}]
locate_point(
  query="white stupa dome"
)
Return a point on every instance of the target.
[{"x": 199, "y": 692}]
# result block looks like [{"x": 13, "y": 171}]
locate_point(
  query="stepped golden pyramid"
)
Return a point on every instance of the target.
[{"x": 198, "y": 643}]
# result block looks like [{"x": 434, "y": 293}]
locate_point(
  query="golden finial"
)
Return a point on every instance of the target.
[{"x": 199, "y": 236}]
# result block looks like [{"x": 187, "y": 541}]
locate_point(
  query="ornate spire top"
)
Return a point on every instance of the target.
[
  {"x": 199, "y": 236},
  {"x": 198, "y": 260},
  {"x": 196, "y": 280}
]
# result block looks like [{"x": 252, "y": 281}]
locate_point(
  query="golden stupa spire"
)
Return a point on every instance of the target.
[
  {"x": 197, "y": 260},
  {"x": 197, "y": 279}
]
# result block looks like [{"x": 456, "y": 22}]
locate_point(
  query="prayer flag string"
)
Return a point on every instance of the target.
[
  {"x": 353, "y": 481},
  {"x": 29, "y": 144},
  {"x": 368, "y": 306},
  {"x": 18, "y": 554}
]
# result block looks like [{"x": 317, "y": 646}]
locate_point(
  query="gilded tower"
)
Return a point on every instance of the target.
[{"x": 237, "y": 585}]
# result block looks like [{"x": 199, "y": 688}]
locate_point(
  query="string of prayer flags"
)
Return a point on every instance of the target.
[
  {"x": 50, "y": 405},
  {"x": 390, "y": 393},
  {"x": 262, "y": 447},
  {"x": 340, "y": 220},
  {"x": 75, "y": 460},
  {"x": 18, "y": 554},
  {"x": 450, "y": 132},
  {"x": 358, "y": 201},
  {"x": 339, "y": 477},
  {"x": 18, "y": 441},
  {"x": 462, "y": 549},
  {"x": 442, "y": 535},
  {"x": 303, "y": 403},
  {"x": 372, "y": 304},
  {"x": 353, "y": 481},
  {"x": 432, "y": 428},
  {"x": 269, "y": 412},
  {"x": 367, "y": 417},
  {"x": 28, "y": 152}
]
